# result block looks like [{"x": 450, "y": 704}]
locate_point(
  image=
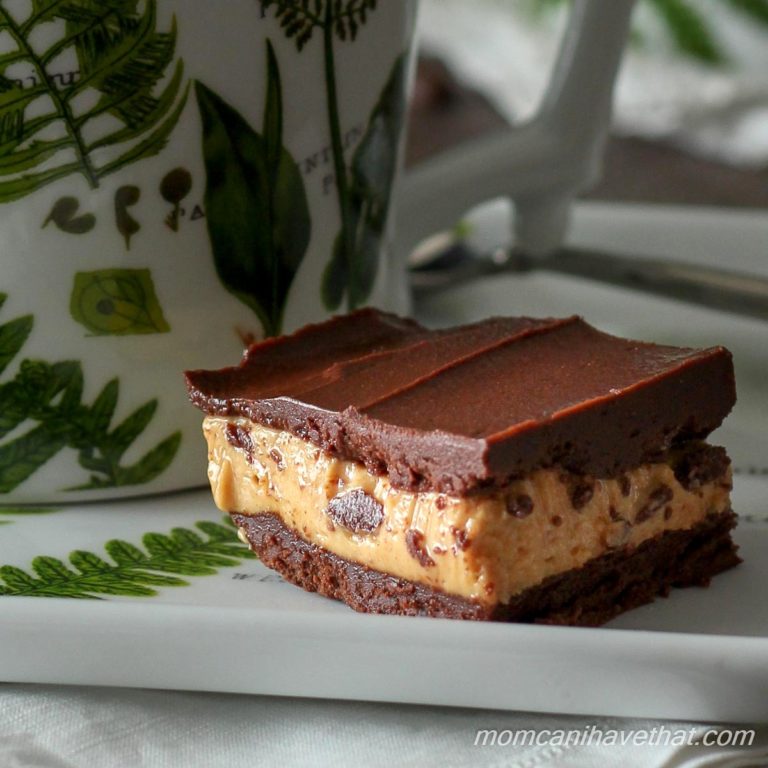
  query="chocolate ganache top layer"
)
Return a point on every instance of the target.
[{"x": 470, "y": 407}]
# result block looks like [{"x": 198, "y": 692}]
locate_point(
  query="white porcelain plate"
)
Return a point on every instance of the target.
[{"x": 233, "y": 626}]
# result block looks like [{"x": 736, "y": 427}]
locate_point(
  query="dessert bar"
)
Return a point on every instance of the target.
[{"x": 517, "y": 468}]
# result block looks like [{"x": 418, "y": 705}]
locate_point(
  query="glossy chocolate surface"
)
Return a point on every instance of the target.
[{"x": 463, "y": 408}]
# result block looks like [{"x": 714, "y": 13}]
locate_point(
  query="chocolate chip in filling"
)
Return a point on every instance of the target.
[
  {"x": 520, "y": 506},
  {"x": 582, "y": 494},
  {"x": 414, "y": 540},
  {"x": 356, "y": 511},
  {"x": 625, "y": 484},
  {"x": 658, "y": 499},
  {"x": 240, "y": 438},
  {"x": 277, "y": 457}
]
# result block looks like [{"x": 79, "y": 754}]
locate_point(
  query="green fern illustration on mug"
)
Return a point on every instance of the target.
[
  {"x": 364, "y": 186},
  {"x": 46, "y": 132},
  {"x": 42, "y": 413}
]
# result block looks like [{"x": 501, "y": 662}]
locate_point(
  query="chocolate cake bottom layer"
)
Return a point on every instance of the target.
[{"x": 588, "y": 596}]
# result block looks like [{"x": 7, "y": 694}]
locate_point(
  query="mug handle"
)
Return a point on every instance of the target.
[{"x": 540, "y": 165}]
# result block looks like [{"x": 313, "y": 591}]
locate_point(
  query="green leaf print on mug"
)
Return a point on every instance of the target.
[
  {"x": 125, "y": 197},
  {"x": 256, "y": 203},
  {"x": 47, "y": 127},
  {"x": 340, "y": 17},
  {"x": 371, "y": 176},
  {"x": 117, "y": 302},
  {"x": 64, "y": 215},
  {"x": 42, "y": 413},
  {"x": 363, "y": 187},
  {"x": 174, "y": 188}
]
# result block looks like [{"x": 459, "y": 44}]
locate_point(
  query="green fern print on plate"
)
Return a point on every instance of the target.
[
  {"x": 42, "y": 413},
  {"x": 131, "y": 571},
  {"x": 11, "y": 512},
  {"x": 46, "y": 132}
]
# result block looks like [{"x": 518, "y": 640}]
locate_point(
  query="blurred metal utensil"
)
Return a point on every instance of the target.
[{"x": 720, "y": 289}]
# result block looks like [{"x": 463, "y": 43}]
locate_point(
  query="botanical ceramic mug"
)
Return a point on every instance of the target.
[{"x": 179, "y": 177}]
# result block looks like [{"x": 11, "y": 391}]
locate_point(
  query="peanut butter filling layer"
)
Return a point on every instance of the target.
[{"x": 485, "y": 547}]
